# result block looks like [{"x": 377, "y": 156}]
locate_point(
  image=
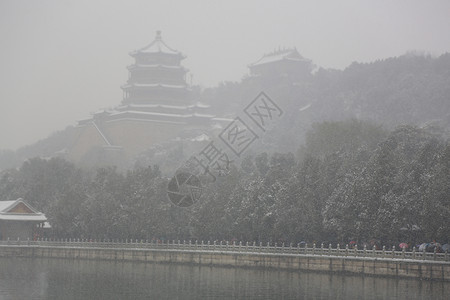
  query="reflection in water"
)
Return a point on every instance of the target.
[{"x": 22, "y": 278}]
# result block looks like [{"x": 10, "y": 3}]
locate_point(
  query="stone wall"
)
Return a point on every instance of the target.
[{"x": 406, "y": 268}]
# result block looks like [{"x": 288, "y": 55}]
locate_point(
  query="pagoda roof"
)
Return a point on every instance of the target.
[
  {"x": 155, "y": 85},
  {"x": 157, "y": 46},
  {"x": 19, "y": 210},
  {"x": 279, "y": 55},
  {"x": 171, "y": 118},
  {"x": 131, "y": 106},
  {"x": 157, "y": 114},
  {"x": 159, "y": 66}
]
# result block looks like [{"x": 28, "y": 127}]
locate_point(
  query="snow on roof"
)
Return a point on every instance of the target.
[
  {"x": 305, "y": 107},
  {"x": 131, "y": 105},
  {"x": 7, "y": 206},
  {"x": 200, "y": 105},
  {"x": 147, "y": 113},
  {"x": 156, "y": 66},
  {"x": 202, "y": 115},
  {"x": 223, "y": 119},
  {"x": 23, "y": 217},
  {"x": 201, "y": 138},
  {"x": 124, "y": 107},
  {"x": 154, "y": 85},
  {"x": 285, "y": 54},
  {"x": 146, "y": 120},
  {"x": 157, "y": 46}
]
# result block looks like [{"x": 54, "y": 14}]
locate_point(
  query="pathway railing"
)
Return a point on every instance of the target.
[{"x": 244, "y": 247}]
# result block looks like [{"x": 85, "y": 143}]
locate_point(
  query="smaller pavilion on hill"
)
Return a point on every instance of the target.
[
  {"x": 18, "y": 220},
  {"x": 281, "y": 62}
]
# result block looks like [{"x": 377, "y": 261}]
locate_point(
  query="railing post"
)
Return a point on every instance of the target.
[
  {"x": 314, "y": 249},
  {"x": 384, "y": 251},
  {"x": 374, "y": 248},
  {"x": 329, "y": 249},
  {"x": 393, "y": 251},
  {"x": 338, "y": 249},
  {"x": 298, "y": 248},
  {"x": 321, "y": 249},
  {"x": 414, "y": 252},
  {"x": 365, "y": 250},
  {"x": 355, "y": 250},
  {"x": 403, "y": 252},
  {"x": 260, "y": 247},
  {"x": 434, "y": 253}
]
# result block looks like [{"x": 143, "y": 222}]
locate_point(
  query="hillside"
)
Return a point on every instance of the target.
[{"x": 410, "y": 89}]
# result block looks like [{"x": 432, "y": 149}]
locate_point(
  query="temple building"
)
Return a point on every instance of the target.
[
  {"x": 282, "y": 66},
  {"x": 18, "y": 220},
  {"x": 281, "y": 62},
  {"x": 158, "y": 105}
]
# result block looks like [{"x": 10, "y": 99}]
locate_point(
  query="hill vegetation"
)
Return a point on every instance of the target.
[
  {"x": 406, "y": 90},
  {"x": 365, "y": 184},
  {"x": 360, "y": 154}
]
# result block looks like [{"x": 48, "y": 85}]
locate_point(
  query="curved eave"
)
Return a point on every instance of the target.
[
  {"x": 136, "y": 66},
  {"x": 263, "y": 63},
  {"x": 23, "y": 217},
  {"x": 153, "y": 86},
  {"x": 147, "y": 53}
]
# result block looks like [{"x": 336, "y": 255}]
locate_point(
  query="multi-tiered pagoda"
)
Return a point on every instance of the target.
[
  {"x": 156, "y": 75},
  {"x": 158, "y": 105}
]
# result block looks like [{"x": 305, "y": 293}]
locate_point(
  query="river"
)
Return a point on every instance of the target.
[{"x": 26, "y": 278}]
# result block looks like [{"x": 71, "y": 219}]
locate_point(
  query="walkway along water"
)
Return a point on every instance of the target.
[{"x": 386, "y": 262}]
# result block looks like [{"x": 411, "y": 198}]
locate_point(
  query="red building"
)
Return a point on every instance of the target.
[{"x": 19, "y": 220}]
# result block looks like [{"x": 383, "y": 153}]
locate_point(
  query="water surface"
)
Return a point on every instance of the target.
[{"x": 24, "y": 278}]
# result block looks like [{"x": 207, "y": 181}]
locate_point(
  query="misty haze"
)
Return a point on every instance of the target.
[{"x": 196, "y": 149}]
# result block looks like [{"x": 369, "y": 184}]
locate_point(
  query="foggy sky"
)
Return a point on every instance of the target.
[{"x": 62, "y": 60}]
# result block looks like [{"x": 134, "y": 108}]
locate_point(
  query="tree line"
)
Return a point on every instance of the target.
[{"x": 351, "y": 180}]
